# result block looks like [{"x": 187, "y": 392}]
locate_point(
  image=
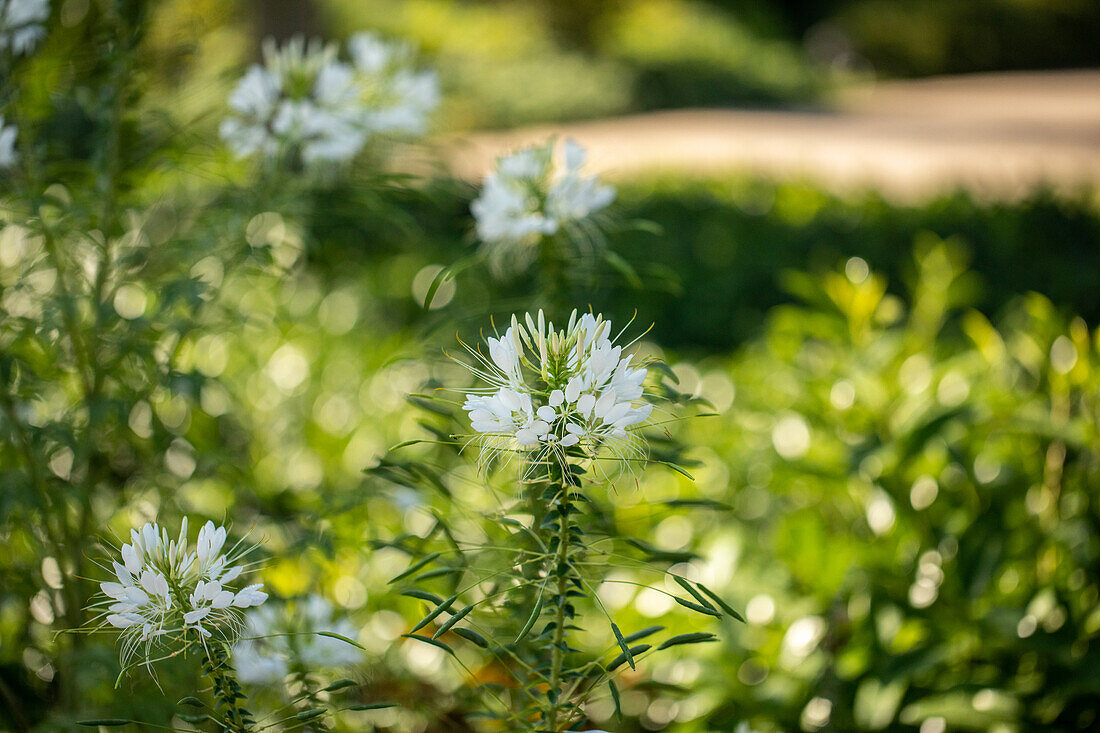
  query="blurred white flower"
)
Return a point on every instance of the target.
[
  {"x": 551, "y": 390},
  {"x": 22, "y": 24},
  {"x": 164, "y": 588},
  {"x": 278, "y": 640},
  {"x": 523, "y": 200},
  {"x": 303, "y": 99},
  {"x": 8, "y": 155}
]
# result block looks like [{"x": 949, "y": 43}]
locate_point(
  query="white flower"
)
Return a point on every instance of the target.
[
  {"x": 22, "y": 24},
  {"x": 8, "y": 154},
  {"x": 550, "y": 390},
  {"x": 522, "y": 201},
  {"x": 279, "y": 640},
  {"x": 397, "y": 99},
  {"x": 303, "y": 100},
  {"x": 165, "y": 588}
]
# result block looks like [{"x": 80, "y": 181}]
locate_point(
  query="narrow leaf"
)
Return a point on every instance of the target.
[
  {"x": 432, "y": 615},
  {"x": 696, "y": 638},
  {"x": 722, "y": 603},
  {"x": 373, "y": 706},
  {"x": 696, "y": 607},
  {"x": 634, "y": 651},
  {"x": 341, "y": 684},
  {"x": 422, "y": 595},
  {"x": 473, "y": 636},
  {"x": 346, "y": 640},
  {"x": 683, "y": 583},
  {"x": 643, "y": 633},
  {"x": 451, "y": 622},
  {"x": 623, "y": 645},
  {"x": 105, "y": 722},
  {"x": 615, "y": 696},
  {"x": 416, "y": 566},
  {"x": 434, "y": 642}
]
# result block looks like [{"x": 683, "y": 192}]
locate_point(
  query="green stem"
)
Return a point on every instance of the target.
[
  {"x": 227, "y": 691},
  {"x": 562, "y": 572}
]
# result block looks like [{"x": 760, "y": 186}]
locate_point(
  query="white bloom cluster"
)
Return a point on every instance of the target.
[
  {"x": 8, "y": 154},
  {"x": 302, "y": 98},
  {"x": 552, "y": 390},
  {"x": 523, "y": 200},
  {"x": 277, "y": 637},
  {"x": 164, "y": 588},
  {"x": 22, "y": 24}
]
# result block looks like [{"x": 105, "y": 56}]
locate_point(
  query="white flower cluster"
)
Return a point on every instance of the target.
[
  {"x": 302, "y": 98},
  {"x": 523, "y": 200},
  {"x": 276, "y": 638},
  {"x": 8, "y": 154},
  {"x": 22, "y": 24},
  {"x": 553, "y": 389},
  {"x": 164, "y": 588}
]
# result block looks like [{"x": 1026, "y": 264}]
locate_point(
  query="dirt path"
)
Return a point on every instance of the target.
[{"x": 995, "y": 135}]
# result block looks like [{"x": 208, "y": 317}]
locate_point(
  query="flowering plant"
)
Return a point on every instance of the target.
[
  {"x": 167, "y": 592},
  {"x": 560, "y": 402},
  {"x": 304, "y": 101},
  {"x": 22, "y": 24},
  {"x": 525, "y": 200}
]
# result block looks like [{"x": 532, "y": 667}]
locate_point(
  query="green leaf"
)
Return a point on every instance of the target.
[
  {"x": 634, "y": 651},
  {"x": 721, "y": 603},
  {"x": 615, "y": 696},
  {"x": 192, "y": 701},
  {"x": 422, "y": 595},
  {"x": 451, "y": 622},
  {"x": 683, "y": 583},
  {"x": 664, "y": 369},
  {"x": 695, "y": 638},
  {"x": 105, "y": 722},
  {"x": 435, "y": 612},
  {"x": 624, "y": 268},
  {"x": 623, "y": 645},
  {"x": 373, "y": 706},
  {"x": 696, "y": 607},
  {"x": 346, "y": 640},
  {"x": 473, "y": 636},
  {"x": 415, "y": 566},
  {"x": 341, "y": 685},
  {"x": 643, "y": 633},
  {"x": 310, "y": 714},
  {"x": 434, "y": 642},
  {"x": 532, "y": 618}
]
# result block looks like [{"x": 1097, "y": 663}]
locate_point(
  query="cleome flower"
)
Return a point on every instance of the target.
[
  {"x": 22, "y": 24},
  {"x": 523, "y": 200},
  {"x": 549, "y": 391},
  {"x": 165, "y": 590},
  {"x": 303, "y": 99},
  {"x": 280, "y": 639},
  {"x": 8, "y": 154}
]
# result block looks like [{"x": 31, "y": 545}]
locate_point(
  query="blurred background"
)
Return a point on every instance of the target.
[{"x": 872, "y": 243}]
